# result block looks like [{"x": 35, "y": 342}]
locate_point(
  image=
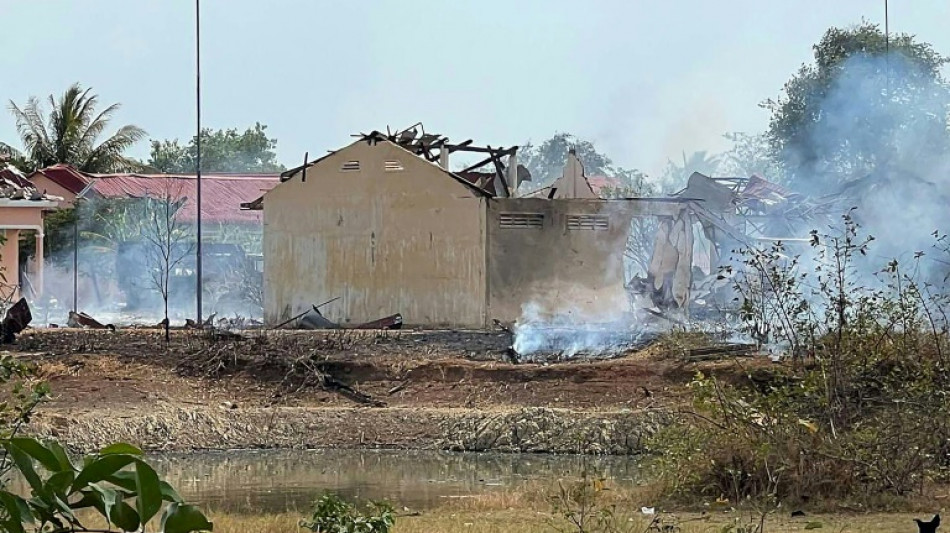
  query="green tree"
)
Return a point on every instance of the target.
[
  {"x": 750, "y": 154},
  {"x": 70, "y": 134},
  {"x": 221, "y": 151},
  {"x": 867, "y": 105}
]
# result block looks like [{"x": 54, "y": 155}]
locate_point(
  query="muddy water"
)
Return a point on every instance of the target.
[{"x": 276, "y": 481}]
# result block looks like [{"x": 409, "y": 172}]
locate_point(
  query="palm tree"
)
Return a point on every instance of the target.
[
  {"x": 70, "y": 133},
  {"x": 675, "y": 176}
]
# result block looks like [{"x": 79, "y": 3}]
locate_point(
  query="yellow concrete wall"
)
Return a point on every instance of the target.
[
  {"x": 409, "y": 242},
  {"x": 562, "y": 271}
]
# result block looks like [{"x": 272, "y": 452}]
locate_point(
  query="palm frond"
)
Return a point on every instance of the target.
[
  {"x": 96, "y": 126},
  {"x": 107, "y": 157},
  {"x": 31, "y": 127},
  {"x": 69, "y": 134},
  {"x": 8, "y": 151}
]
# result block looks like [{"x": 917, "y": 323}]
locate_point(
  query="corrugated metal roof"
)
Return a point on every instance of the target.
[
  {"x": 11, "y": 174},
  {"x": 65, "y": 176},
  {"x": 221, "y": 194}
]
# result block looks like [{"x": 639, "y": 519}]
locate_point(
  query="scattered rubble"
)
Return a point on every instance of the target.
[{"x": 314, "y": 319}]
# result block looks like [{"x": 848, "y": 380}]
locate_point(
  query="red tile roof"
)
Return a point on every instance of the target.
[
  {"x": 598, "y": 183},
  {"x": 65, "y": 176},
  {"x": 221, "y": 194}
]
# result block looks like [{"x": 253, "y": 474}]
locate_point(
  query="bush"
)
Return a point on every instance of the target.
[
  {"x": 331, "y": 514},
  {"x": 859, "y": 408}
]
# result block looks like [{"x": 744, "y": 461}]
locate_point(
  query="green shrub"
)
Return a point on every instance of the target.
[
  {"x": 861, "y": 407},
  {"x": 331, "y": 514}
]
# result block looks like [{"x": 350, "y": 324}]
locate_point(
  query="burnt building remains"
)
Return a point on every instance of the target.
[{"x": 386, "y": 226}]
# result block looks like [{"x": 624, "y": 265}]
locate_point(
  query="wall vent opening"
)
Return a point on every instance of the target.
[
  {"x": 521, "y": 220},
  {"x": 393, "y": 166},
  {"x": 351, "y": 166},
  {"x": 589, "y": 222}
]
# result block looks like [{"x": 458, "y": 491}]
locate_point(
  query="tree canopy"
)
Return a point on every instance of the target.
[
  {"x": 70, "y": 134},
  {"x": 867, "y": 105},
  {"x": 221, "y": 151}
]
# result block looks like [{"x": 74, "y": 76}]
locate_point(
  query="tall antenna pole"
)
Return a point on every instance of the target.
[
  {"x": 887, "y": 31},
  {"x": 887, "y": 51},
  {"x": 198, "y": 271}
]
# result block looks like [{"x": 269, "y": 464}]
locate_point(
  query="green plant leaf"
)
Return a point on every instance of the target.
[
  {"x": 100, "y": 469},
  {"x": 60, "y": 482},
  {"x": 181, "y": 518},
  {"x": 124, "y": 516},
  {"x": 24, "y": 464},
  {"x": 120, "y": 448},
  {"x": 45, "y": 456},
  {"x": 107, "y": 497},
  {"x": 17, "y": 511},
  {"x": 148, "y": 491},
  {"x": 169, "y": 494}
]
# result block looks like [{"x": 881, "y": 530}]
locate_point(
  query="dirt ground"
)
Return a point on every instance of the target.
[{"x": 418, "y": 377}]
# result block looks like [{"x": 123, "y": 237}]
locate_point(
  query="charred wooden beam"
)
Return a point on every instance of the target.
[{"x": 500, "y": 174}]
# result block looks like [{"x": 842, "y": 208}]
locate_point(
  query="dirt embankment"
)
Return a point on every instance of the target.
[{"x": 426, "y": 390}]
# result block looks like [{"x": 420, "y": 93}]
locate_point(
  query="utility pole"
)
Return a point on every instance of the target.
[
  {"x": 887, "y": 31},
  {"x": 76, "y": 257},
  {"x": 198, "y": 270},
  {"x": 887, "y": 51}
]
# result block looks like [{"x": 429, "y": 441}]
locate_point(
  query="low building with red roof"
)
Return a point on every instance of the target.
[{"x": 221, "y": 193}]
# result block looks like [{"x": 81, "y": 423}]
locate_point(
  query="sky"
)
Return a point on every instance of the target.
[{"x": 643, "y": 80}]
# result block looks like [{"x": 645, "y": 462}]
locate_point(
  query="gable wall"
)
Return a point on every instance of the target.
[{"x": 409, "y": 242}]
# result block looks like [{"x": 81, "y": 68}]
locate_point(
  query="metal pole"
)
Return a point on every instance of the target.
[
  {"x": 198, "y": 270},
  {"x": 76, "y": 259},
  {"x": 887, "y": 31},
  {"x": 887, "y": 52}
]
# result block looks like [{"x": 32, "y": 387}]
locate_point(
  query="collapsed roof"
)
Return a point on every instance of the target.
[
  {"x": 496, "y": 175},
  {"x": 15, "y": 186}
]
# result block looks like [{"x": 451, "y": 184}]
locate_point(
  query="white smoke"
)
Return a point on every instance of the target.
[{"x": 539, "y": 335}]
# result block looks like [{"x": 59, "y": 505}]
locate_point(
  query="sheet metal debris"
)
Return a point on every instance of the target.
[
  {"x": 18, "y": 317},
  {"x": 82, "y": 320}
]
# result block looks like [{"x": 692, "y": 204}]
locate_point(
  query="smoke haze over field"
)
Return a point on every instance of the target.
[
  {"x": 878, "y": 139},
  {"x": 882, "y": 142},
  {"x": 644, "y": 80}
]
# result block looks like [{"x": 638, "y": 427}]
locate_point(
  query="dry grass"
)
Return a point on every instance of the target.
[
  {"x": 527, "y": 510},
  {"x": 535, "y": 521}
]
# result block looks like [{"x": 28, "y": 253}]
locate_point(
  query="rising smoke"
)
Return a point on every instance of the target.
[
  {"x": 131, "y": 253},
  {"x": 573, "y": 334},
  {"x": 879, "y": 141}
]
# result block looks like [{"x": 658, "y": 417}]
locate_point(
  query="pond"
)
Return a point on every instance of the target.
[{"x": 290, "y": 480}]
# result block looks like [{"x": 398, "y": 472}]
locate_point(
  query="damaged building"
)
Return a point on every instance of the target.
[{"x": 385, "y": 225}]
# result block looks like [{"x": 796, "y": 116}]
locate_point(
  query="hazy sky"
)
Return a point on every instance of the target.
[{"x": 644, "y": 80}]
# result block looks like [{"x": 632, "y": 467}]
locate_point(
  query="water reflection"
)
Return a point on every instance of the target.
[{"x": 274, "y": 481}]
